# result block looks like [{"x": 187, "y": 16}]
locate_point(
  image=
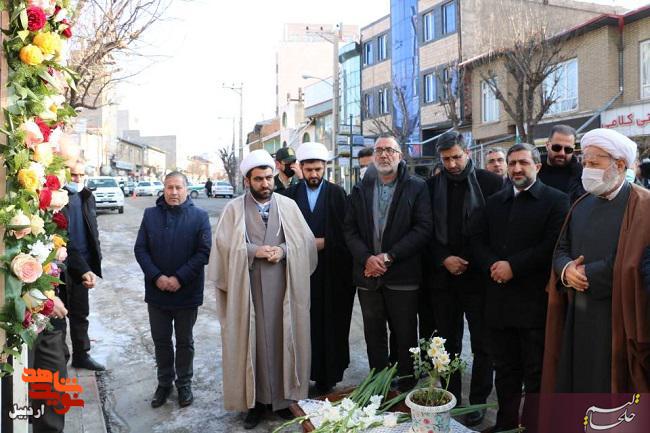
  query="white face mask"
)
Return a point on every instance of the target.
[{"x": 598, "y": 181}]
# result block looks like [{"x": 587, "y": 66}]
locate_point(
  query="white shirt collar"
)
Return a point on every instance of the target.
[{"x": 527, "y": 188}]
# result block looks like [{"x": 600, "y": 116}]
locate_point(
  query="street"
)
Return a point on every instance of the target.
[{"x": 121, "y": 339}]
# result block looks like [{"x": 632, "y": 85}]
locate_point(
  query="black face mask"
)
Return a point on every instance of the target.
[{"x": 288, "y": 171}]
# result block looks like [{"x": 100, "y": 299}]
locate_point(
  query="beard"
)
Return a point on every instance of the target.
[
  {"x": 523, "y": 183},
  {"x": 386, "y": 169},
  {"x": 261, "y": 194},
  {"x": 314, "y": 182},
  {"x": 559, "y": 161}
]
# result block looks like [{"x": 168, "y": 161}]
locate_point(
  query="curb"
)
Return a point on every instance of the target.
[{"x": 90, "y": 418}]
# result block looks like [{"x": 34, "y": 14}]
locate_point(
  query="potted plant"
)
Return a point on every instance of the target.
[{"x": 431, "y": 406}]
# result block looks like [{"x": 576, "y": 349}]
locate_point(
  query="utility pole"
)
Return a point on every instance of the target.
[
  {"x": 333, "y": 37},
  {"x": 240, "y": 91}
]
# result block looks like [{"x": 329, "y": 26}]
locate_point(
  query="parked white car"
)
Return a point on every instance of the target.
[
  {"x": 146, "y": 187},
  {"x": 108, "y": 194},
  {"x": 222, "y": 188}
]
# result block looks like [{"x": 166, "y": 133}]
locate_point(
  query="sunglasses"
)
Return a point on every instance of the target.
[{"x": 558, "y": 147}]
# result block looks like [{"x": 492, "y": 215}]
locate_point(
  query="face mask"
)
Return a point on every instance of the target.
[
  {"x": 288, "y": 171},
  {"x": 630, "y": 176},
  {"x": 594, "y": 182},
  {"x": 73, "y": 187},
  {"x": 362, "y": 172}
]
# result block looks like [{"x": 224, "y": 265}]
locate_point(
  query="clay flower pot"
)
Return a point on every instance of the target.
[{"x": 431, "y": 419}]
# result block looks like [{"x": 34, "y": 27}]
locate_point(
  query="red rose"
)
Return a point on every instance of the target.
[
  {"x": 48, "y": 307},
  {"x": 45, "y": 129},
  {"x": 36, "y": 18},
  {"x": 44, "y": 198},
  {"x": 27, "y": 321},
  {"x": 60, "y": 220},
  {"x": 52, "y": 182},
  {"x": 67, "y": 33}
]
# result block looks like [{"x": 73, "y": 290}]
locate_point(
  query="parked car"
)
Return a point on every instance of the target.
[
  {"x": 107, "y": 192},
  {"x": 195, "y": 189},
  {"x": 128, "y": 187},
  {"x": 223, "y": 189},
  {"x": 146, "y": 187}
]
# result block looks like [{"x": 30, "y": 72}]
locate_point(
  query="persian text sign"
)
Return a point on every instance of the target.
[
  {"x": 57, "y": 392},
  {"x": 630, "y": 120}
]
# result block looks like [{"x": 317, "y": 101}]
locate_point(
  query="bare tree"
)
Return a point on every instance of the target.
[
  {"x": 451, "y": 78},
  {"x": 229, "y": 164},
  {"x": 522, "y": 38},
  {"x": 106, "y": 35},
  {"x": 403, "y": 131}
]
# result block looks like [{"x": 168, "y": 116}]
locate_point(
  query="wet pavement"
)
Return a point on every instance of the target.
[{"x": 121, "y": 339}]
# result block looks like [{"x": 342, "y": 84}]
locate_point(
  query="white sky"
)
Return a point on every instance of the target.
[{"x": 209, "y": 42}]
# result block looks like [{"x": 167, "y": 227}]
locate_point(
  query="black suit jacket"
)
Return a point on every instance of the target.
[
  {"x": 407, "y": 232},
  {"x": 76, "y": 264},
  {"x": 436, "y": 274},
  {"x": 522, "y": 231}
]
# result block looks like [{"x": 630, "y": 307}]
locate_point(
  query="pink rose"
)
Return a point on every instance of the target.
[
  {"x": 36, "y": 18},
  {"x": 20, "y": 220},
  {"x": 61, "y": 254},
  {"x": 48, "y": 307},
  {"x": 26, "y": 268},
  {"x": 28, "y": 320},
  {"x": 33, "y": 134}
]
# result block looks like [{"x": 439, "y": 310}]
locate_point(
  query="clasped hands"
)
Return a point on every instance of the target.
[
  {"x": 501, "y": 272},
  {"x": 575, "y": 274},
  {"x": 168, "y": 284},
  {"x": 375, "y": 266},
  {"x": 271, "y": 254}
]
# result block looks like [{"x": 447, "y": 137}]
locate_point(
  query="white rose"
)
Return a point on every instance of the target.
[
  {"x": 59, "y": 200},
  {"x": 37, "y": 225},
  {"x": 390, "y": 420}
]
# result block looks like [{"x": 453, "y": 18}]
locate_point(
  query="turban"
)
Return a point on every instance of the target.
[
  {"x": 257, "y": 158},
  {"x": 614, "y": 143},
  {"x": 312, "y": 150}
]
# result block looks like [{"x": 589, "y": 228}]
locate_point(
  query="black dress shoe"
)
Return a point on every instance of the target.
[
  {"x": 253, "y": 417},
  {"x": 87, "y": 363},
  {"x": 185, "y": 397},
  {"x": 474, "y": 418},
  {"x": 285, "y": 414},
  {"x": 160, "y": 396}
]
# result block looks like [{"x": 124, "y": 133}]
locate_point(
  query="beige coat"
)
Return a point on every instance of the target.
[{"x": 228, "y": 270}]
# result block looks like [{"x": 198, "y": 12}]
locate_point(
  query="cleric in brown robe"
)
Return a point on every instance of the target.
[
  {"x": 598, "y": 329},
  {"x": 323, "y": 204}
]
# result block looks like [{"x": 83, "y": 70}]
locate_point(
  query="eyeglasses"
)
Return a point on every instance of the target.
[
  {"x": 390, "y": 151},
  {"x": 558, "y": 147},
  {"x": 588, "y": 157}
]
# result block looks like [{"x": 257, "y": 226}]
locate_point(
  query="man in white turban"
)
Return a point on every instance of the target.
[
  {"x": 598, "y": 329},
  {"x": 323, "y": 204},
  {"x": 260, "y": 263}
]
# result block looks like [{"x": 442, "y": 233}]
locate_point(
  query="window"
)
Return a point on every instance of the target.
[
  {"x": 382, "y": 97},
  {"x": 449, "y": 18},
  {"x": 489, "y": 104},
  {"x": 645, "y": 69},
  {"x": 429, "y": 27},
  {"x": 306, "y": 138},
  {"x": 367, "y": 105},
  {"x": 562, "y": 86},
  {"x": 367, "y": 53},
  {"x": 430, "y": 88},
  {"x": 381, "y": 48}
]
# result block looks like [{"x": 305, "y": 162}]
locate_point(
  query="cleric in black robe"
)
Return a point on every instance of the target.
[{"x": 323, "y": 204}]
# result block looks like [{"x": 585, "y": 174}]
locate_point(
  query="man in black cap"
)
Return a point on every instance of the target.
[{"x": 288, "y": 171}]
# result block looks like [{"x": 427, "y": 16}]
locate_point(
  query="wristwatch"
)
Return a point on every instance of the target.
[{"x": 388, "y": 260}]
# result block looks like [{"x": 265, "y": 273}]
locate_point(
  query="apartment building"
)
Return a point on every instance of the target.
[
  {"x": 603, "y": 79},
  {"x": 410, "y": 57}
]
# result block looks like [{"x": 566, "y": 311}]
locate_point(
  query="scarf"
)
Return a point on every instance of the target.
[{"x": 474, "y": 200}]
